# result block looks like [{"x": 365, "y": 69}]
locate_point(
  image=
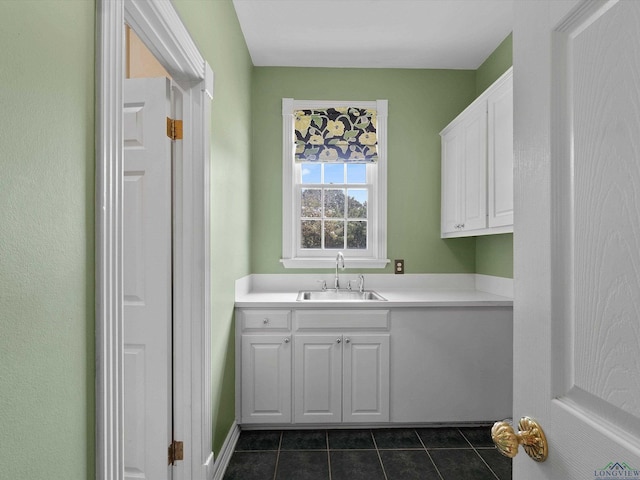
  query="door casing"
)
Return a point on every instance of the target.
[{"x": 160, "y": 28}]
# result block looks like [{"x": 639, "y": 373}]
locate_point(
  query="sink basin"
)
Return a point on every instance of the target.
[{"x": 339, "y": 296}]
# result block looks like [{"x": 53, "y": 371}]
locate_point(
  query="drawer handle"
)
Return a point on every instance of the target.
[
  {"x": 286, "y": 340},
  {"x": 347, "y": 340},
  {"x": 339, "y": 340},
  {"x": 265, "y": 321}
]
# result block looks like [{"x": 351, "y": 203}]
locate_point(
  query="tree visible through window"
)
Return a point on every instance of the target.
[{"x": 333, "y": 206}]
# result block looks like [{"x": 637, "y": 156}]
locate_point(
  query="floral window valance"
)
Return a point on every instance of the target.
[{"x": 342, "y": 134}]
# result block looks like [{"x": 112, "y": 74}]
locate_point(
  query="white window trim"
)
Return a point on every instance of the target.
[{"x": 378, "y": 232}]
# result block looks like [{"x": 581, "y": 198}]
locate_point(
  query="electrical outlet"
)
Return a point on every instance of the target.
[{"x": 398, "y": 266}]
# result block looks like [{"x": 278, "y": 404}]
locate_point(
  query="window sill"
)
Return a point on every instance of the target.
[{"x": 330, "y": 262}]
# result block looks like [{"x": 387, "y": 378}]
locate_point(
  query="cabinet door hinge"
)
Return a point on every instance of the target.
[
  {"x": 176, "y": 452},
  {"x": 174, "y": 129}
]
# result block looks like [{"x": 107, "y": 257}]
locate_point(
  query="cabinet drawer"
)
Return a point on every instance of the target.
[
  {"x": 269, "y": 320},
  {"x": 342, "y": 319}
]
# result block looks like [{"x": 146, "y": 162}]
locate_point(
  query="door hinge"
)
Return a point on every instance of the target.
[
  {"x": 176, "y": 452},
  {"x": 174, "y": 129}
]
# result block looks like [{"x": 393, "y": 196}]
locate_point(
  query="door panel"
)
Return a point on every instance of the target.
[
  {"x": 318, "y": 378},
  {"x": 606, "y": 212},
  {"x": 134, "y": 399},
  {"x": 134, "y": 274},
  {"x": 475, "y": 169},
  {"x": 147, "y": 279},
  {"x": 366, "y": 378},
  {"x": 266, "y": 379},
  {"x": 577, "y": 265},
  {"x": 453, "y": 155},
  {"x": 500, "y": 154}
]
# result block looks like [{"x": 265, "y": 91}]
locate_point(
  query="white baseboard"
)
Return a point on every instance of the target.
[
  {"x": 229, "y": 445},
  {"x": 208, "y": 466}
]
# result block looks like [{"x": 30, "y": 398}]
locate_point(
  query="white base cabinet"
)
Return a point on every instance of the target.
[
  {"x": 263, "y": 355},
  {"x": 341, "y": 378},
  {"x": 373, "y": 366},
  {"x": 451, "y": 364}
]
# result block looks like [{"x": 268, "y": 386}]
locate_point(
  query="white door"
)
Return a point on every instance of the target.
[
  {"x": 577, "y": 235},
  {"x": 147, "y": 279},
  {"x": 318, "y": 378},
  {"x": 266, "y": 378},
  {"x": 365, "y": 384}
]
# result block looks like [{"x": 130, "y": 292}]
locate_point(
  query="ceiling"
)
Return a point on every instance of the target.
[{"x": 448, "y": 34}]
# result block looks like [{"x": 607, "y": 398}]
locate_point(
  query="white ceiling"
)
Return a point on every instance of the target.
[{"x": 456, "y": 34}]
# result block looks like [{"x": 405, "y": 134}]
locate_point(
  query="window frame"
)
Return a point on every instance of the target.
[
  {"x": 371, "y": 211},
  {"x": 375, "y": 254}
]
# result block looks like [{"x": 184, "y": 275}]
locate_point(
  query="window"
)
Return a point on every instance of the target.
[{"x": 334, "y": 189}]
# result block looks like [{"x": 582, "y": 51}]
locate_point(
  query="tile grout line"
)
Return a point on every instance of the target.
[
  {"x": 478, "y": 454},
  {"x": 429, "y": 455},
  {"x": 275, "y": 471},
  {"x": 328, "y": 454},
  {"x": 375, "y": 444}
]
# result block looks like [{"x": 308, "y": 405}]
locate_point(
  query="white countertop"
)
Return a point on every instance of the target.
[{"x": 437, "y": 290}]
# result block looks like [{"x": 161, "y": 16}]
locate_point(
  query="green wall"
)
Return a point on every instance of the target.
[
  {"x": 494, "y": 253},
  {"x": 47, "y": 356},
  {"x": 46, "y": 239},
  {"x": 495, "y": 65},
  {"x": 421, "y": 103},
  {"x": 215, "y": 29}
]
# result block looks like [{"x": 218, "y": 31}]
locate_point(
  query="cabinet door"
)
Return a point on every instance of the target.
[
  {"x": 366, "y": 378},
  {"x": 266, "y": 379},
  {"x": 474, "y": 169},
  {"x": 318, "y": 378},
  {"x": 500, "y": 135},
  {"x": 464, "y": 173},
  {"x": 452, "y": 153}
]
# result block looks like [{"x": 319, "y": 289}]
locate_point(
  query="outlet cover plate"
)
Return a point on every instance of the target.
[{"x": 398, "y": 266}]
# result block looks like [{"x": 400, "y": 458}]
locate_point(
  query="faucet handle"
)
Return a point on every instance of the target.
[
  {"x": 361, "y": 283},
  {"x": 324, "y": 284}
]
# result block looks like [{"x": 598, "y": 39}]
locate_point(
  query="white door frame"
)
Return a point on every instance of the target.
[{"x": 160, "y": 28}]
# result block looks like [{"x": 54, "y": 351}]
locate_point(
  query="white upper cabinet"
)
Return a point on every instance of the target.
[
  {"x": 500, "y": 153},
  {"x": 477, "y": 165}
]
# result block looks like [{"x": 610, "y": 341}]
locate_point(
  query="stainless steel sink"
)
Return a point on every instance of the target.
[{"x": 339, "y": 296}]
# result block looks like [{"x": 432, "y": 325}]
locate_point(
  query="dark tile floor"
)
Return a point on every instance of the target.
[{"x": 465, "y": 453}]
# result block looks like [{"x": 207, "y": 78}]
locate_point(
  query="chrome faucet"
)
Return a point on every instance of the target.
[
  {"x": 361, "y": 283},
  {"x": 339, "y": 259}
]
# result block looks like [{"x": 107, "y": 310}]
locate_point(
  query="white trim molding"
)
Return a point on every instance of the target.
[
  {"x": 109, "y": 282},
  {"x": 160, "y": 28},
  {"x": 226, "y": 451},
  {"x": 376, "y": 257}
]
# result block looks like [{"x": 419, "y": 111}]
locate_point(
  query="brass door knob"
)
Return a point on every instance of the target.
[{"x": 530, "y": 436}]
